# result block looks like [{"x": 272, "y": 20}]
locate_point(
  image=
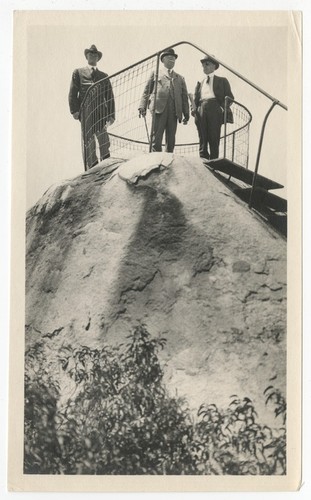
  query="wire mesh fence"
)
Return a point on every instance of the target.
[
  {"x": 130, "y": 134},
  {"x": 234, "y": 143}
]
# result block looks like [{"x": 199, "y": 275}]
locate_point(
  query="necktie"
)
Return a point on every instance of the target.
[
  {"x": 93, "y": 73},
  {"x": 207, "y": 79}
]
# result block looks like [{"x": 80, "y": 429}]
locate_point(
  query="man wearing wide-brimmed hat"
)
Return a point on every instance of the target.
[
  {"x": 208, "y": 108},
  {"x": 170, "y": 103},
  {"x": 98, "y": 110}
]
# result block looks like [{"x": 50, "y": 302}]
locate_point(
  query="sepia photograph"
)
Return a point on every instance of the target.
[{"x": 155, "y": 328}]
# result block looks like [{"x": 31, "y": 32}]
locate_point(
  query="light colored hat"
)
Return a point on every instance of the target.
[{"x": 210, "y": 59}]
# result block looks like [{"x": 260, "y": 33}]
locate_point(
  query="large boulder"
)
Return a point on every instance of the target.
[{"x": 158, "y": 240}]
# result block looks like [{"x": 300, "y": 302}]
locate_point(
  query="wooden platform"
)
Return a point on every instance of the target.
[{"x": 233, "y": 169}]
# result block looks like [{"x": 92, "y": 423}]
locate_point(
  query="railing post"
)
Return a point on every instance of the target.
[
  {"x": 155, "y": 98},
  {"x": 83, "y": 136},
  {"x": 247, "y": 157},
  {"x": 233, "y": 146},
  {"x": 225, "y": 127},
  {"x": 259, "y": 152}
]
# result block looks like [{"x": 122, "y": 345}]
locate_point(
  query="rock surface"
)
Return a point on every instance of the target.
[{"x": 159, "y": 240}]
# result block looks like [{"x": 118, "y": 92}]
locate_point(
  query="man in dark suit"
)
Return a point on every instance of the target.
[
  {"x": 169, "y": 105},
  {"x": 208, "y": 108},
  {"x": 100, "y": 107}
]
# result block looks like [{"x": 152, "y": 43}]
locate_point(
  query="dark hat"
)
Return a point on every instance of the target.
[
  {"x": 210, "y": 59},
  {"x": 168, "y": 52},
  {"x": 94, "y": 50}
]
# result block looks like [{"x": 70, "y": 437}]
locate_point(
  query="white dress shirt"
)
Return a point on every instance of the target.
[
  {"x": 207, "y": 88},
  {"x": 164, "y": 71}
]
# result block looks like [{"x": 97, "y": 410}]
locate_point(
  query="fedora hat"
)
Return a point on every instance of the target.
[
  {"x": 168, "y": 52},
  {"x": 94, "y": 50},
  {"x": 210, "y": 59}
]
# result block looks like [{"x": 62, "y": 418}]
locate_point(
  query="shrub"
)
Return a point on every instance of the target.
[
  {"x": 41, "y": 449},
  {"x": 121, "y": 419}
]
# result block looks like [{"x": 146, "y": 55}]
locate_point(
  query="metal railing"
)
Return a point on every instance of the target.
[
  {"x": 235, "y": 140},
  {"x": 129, "y": 133},
  {"x": 234, "y": 143}
]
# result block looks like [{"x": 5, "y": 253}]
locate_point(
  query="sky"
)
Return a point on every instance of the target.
[{"x": 256, "y": 49}]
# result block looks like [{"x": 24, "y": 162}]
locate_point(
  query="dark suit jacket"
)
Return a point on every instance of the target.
[
  {"x": 163, "y": 90},
  {"x": 80, "y": 83},
  {"x": 222, "y": 89}
]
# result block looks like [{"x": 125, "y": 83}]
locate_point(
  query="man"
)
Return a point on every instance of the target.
[
  {"x": 100, "y": 108},
  {"x": 208, "y": 108},
  {"x": 170, "y": 103}
]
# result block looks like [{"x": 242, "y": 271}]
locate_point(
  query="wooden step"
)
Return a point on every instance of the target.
[
  {"x": 230, "y": 168},
  {"x": 262, "y": 198},
  {"x": 279, "y": 222}
]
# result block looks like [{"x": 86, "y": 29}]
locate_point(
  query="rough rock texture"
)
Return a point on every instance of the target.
[{"x": 175, "y": 250}]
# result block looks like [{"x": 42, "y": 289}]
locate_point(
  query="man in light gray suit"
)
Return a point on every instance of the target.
[{"x": 170, "y": 103}]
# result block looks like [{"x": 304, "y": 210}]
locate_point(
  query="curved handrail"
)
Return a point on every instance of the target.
[
  {"x": 247, "y": 110},
  {"x": 232, "y": 71},
  {"x": 195, "y": 143},
  {"x": 246, "y": 80}
]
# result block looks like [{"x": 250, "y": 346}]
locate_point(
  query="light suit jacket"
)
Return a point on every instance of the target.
[{"x": 163, "y": 91}]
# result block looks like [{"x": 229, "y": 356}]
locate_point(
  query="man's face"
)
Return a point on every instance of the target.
[
  {"x": 92, "y": 58},
  {"x": 208, "y": 67},
  {"x": 169, "y": 61}
]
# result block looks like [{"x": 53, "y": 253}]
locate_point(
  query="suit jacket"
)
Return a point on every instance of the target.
[
  {"x": 163, "y": 91},
  {"x": 81, "y": 81},
  {"x": 221, "y": 89}
]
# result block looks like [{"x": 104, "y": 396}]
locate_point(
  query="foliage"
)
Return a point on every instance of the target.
[
  {"x": 41, "y": 450},
  {"x": 275, "y": 396},
  {"x": 239, "y": 444},
  {"x": 120, "y": 419}
]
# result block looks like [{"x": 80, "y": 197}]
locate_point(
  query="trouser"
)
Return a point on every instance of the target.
[
  {"x": 208, "y": 121},
  {"x": 165, "y": 121},
  {"x": 104, "y": 145}
]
